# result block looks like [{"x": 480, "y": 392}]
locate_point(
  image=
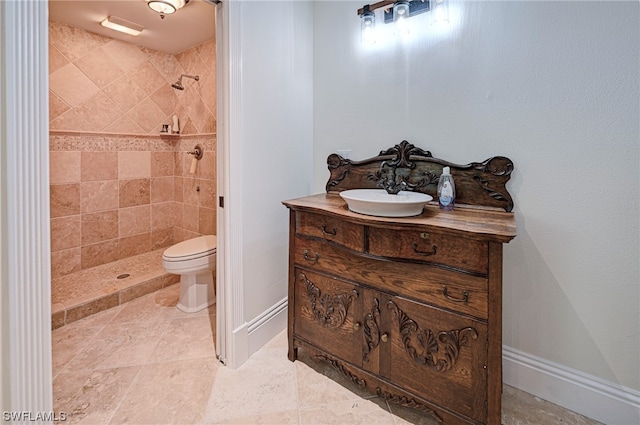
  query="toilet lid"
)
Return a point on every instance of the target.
[{"x": 196, "y": 247}]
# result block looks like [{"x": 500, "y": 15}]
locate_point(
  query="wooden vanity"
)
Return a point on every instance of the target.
[{"x": 408, "y": 308}]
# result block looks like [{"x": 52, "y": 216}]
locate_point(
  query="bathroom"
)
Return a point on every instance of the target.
[
  {"x": 552, "y": 85},
  {"x": 122, "y": 189}
]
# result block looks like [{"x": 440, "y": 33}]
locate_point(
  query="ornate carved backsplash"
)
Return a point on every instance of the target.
[{"x": 407, "y": 167}]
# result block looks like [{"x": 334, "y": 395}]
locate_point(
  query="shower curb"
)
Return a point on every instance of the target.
[{"x": 76, "y": 311}]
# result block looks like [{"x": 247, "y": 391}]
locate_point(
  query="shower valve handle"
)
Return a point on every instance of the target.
[{"x": 197, "y": 152}]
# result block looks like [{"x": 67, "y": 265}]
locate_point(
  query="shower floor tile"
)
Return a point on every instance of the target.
[
  {"x": 103, "y": 279},
  {"x": 90, "y": 291}
]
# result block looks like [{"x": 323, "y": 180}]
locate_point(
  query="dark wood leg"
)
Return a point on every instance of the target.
[{"x": 293, "y": 353}]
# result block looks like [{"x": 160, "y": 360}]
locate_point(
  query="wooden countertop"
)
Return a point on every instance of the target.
[{"x": 487, "y": 224}]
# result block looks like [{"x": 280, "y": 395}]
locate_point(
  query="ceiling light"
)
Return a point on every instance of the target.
[
  {"x": 122, "y": 25},
  {"x": 166, "y": 6}
]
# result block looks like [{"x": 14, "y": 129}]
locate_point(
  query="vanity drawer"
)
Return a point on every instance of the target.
[
  {"x": 439, "y": 287},
  {"x": 344, "y": 233},
  {"x": 453, "y": 251}
]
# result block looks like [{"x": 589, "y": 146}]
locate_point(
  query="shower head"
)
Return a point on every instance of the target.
[{"x": 178, "y": 84}]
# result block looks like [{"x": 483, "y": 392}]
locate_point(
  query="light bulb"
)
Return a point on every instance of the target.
[
  {"x": 401, "y": 16},
  {"x": 368, "y": 26},
  {"x": 166, "y": 6},
  {"x": 440, "y": 12}
]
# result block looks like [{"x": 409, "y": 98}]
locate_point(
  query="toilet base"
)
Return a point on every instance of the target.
[{"x": 197, "y": 292}]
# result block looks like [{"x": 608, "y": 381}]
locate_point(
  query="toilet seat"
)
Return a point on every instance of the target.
[{"x": 191, "y": 249}]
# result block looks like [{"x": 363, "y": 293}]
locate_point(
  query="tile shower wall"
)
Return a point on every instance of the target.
[
  {"x": 99, "y": 84},
  {"x": 118, "y": 188}
]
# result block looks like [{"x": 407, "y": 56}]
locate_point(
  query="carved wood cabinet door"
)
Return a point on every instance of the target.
[
  {"x": 327, "y": 312},
  {"x": 437, "y": 354}
]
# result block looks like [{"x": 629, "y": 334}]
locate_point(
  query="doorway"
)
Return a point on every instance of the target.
[{"x": 26, "y": 297}]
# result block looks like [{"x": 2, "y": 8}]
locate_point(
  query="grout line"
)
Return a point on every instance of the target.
[
  {"x": 295, "y": 374},
  {"x": 142, "y": 367},
  {"x": 100, "y": 328},
  {"x": 124, "y": 396}
]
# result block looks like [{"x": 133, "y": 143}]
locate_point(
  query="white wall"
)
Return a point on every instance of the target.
[
  {"x": 554, "y": 87},
  {"x": 275, "y": 147}
]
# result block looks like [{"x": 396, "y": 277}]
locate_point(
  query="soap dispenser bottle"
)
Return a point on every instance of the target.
[{"x": 446, "y": 190}]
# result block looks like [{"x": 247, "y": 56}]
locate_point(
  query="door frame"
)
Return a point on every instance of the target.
[
  {"x": 25, "y": 260},
  {"x": 222, "y": 190},
  {"x": 25, "y": 272},
  {"x": 232, "y": 334}
]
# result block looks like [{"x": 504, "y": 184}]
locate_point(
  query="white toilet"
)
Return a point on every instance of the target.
[{"x": 194, "y": 260}]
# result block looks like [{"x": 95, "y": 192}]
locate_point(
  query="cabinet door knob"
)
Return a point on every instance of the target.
[
  {"x": 384, "y": 337},
  {"x": 356, "y": 326}
]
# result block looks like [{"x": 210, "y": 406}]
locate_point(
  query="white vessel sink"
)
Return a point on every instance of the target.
[{"x": 378, "y": 202}]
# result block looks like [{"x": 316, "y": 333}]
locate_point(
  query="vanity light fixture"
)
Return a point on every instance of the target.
[
  {"x": 401, "y": 16},
  {"x": 397, "y": 11},
  {"x": 440, "y": 11},
  {"x": 122, "y": 25},
  {"x": 368, "y": 25},
  {"x": 166, "y": 7}
]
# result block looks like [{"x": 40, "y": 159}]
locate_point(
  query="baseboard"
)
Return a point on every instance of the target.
[
  {"x": 585, "y": 394},
  {"x": 251, "y": 336},
  {"x": 263, "y": 328},
  {"x": 237, "y": 348}
]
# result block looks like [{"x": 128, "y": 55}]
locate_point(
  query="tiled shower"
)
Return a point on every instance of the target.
[{"x": 119, "y": 188}]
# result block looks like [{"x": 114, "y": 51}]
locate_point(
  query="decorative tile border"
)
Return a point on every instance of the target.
[{"x": 86, "y": 141}]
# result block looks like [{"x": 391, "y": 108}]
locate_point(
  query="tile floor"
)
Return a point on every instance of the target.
[{"x": 144, "y": 362}]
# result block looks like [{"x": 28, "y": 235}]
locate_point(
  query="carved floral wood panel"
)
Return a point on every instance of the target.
[
  {"x": 440, "y": 353},
  {"x": 327, "y": 309},
  {"x": 477, "y": 183},
  {"x": 371, "y": 330}
]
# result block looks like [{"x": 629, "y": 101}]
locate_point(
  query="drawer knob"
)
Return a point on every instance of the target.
[
  {"x": 464, "y": 299},
  {"x": 356, "y": 326},
  {"x": 434, "y": 250},
  {"x": 327, "y": 233},
  {"x": 309, "y": 257},
  {"x": 384, "y": 337}
]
